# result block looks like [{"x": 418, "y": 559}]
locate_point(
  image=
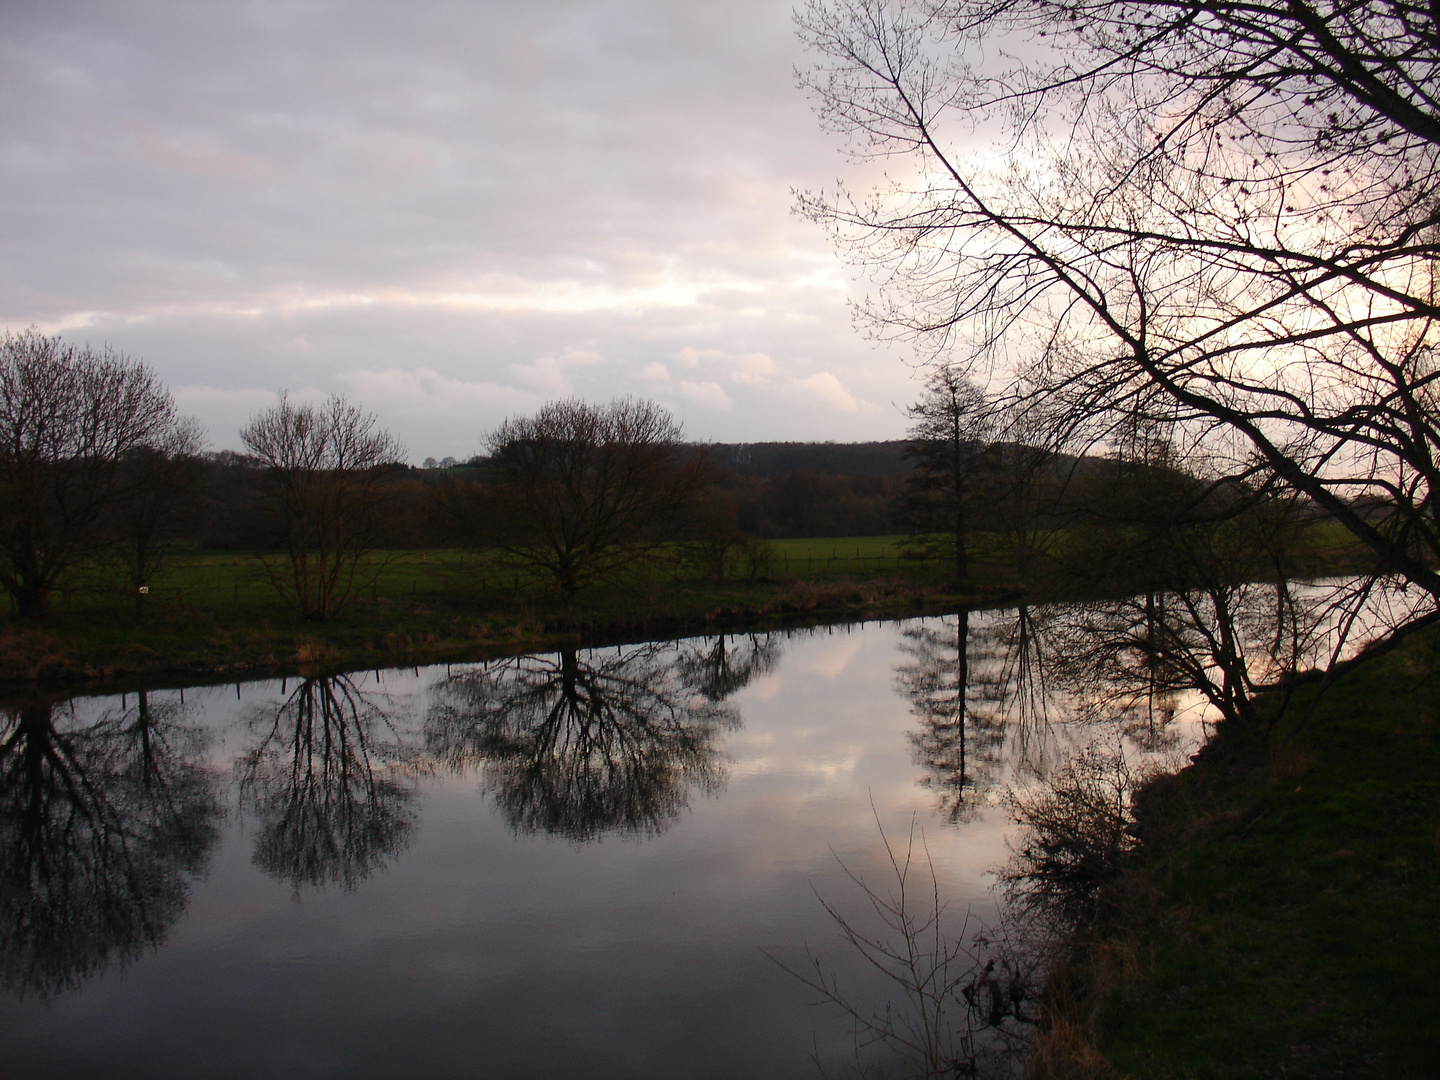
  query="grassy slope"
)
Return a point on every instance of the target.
[{"x": 1285, "y": 918}]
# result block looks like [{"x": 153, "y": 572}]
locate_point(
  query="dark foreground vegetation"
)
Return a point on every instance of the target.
[{"x": 1278, "y": 916}]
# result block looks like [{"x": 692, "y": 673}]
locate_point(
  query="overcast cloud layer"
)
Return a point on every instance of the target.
[{"x": 451, "y": 212}]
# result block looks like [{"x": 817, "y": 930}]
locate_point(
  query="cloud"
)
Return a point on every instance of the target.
[
  {"x": 550, "y": 373},
  {"x": 192, "y": 399},
  {"x": 708, "y": 395},
  {"x": 828, "y": 390},
  {"x": 451, "y": 212},
  {"x": 225, "y": 411},
  {"x": 423, "y": 392},
  {"x": 749, "y": 369}
]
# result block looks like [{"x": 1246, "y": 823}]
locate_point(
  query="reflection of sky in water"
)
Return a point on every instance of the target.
[
  {"x": 477, "y": 950},
  {"x": 480, "y": 952}
]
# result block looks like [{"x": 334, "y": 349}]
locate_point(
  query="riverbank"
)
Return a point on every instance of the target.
[
  {"x": 218, "y": 616},
  {"x": 206, "y": 643},
  {"x": 1279, "y": 916}
]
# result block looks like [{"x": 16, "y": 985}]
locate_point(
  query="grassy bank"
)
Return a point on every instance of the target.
[
  {"x": 1280, "y": 918},
  {"x": 219, "y": 614}
]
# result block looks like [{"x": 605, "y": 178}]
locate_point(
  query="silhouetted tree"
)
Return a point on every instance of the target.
[
  {"x": 325, "y": 478},
  {"x": 953, "y": 462},
  {"x": 69, "y": 416},
  {"x": 1218, "y": 215},
  {"x": 580, "y": 491}
]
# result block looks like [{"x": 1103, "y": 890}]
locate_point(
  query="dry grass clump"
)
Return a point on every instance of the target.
[
  {"x": 31, "y": 654},
  {"x": 1063, "y": 1051}
]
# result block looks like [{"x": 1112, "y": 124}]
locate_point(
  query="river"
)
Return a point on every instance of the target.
[{"x": 590, "y": 863}]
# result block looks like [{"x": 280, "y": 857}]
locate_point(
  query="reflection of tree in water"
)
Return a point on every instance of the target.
[
  {"x": 958, "y": 746},
  {"x": 983, "y": 695},
  {"x": 1123, "y": 662},
  {"x": 329, "y": 781},
  {"x": 100, "y": 829},
  {"x": 1129, "y": 660},
  {"x": 729, "y": 664},
  {"x": 580, "y": 744},
  {"x": 1015, "y": 686}
]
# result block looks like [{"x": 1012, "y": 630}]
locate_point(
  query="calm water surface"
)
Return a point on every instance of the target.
[{"x": 562, "y": 865}]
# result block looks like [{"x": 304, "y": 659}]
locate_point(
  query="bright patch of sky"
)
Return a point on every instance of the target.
[{"x": 451, "y": 212}]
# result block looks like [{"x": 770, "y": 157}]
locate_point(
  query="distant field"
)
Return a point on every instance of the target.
[
  {"x": 240, "y": 581},
  {"x": 841, "y": 555},
  {"x": 219, "y": 611},
  {"x": 227, "y": 583},
  {"x": 212, "y": 611}
]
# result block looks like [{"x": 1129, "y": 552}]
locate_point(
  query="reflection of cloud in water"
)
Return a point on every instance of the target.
[
  {"x": 766, "y": 687},
  {"x": 832, "y": 661},
  {"x": 523, "y": 944},
  {"x": 833, "y": 771}
]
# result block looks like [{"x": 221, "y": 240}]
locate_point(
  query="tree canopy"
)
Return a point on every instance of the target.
[
  {"x": 325, "y": 471},
  {"x": 580, "y": 491},
  {"x": 70, "y": 415},
  {"x": 1217, "y": 217}
]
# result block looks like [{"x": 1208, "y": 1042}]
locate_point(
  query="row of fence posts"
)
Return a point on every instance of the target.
[{"x": 862, "y": 560}]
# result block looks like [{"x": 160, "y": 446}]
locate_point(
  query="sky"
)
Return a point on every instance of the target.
[{"x": 448, "y": 212}]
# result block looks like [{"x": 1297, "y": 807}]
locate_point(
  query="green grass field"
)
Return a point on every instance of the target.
[
  {"x": 240, "y": 581},
  {"x": 210, "y": 611}
]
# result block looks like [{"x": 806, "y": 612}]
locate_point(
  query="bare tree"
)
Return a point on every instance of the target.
[
  {"x": 951, "y": 1012},
  {"x": 1223, "y": 216},
  {"x": 325, "y": 475},
  {"x": 69, "y": 415},
  {"x": 580, "y": 491}
]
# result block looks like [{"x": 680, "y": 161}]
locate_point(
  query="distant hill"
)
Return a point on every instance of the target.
[{"x": 766, "y": 459}]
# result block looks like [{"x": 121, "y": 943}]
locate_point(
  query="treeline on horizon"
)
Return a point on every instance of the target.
[
  {"x": 98, "y": 467},
  {"x": 767, "y": 490}
]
